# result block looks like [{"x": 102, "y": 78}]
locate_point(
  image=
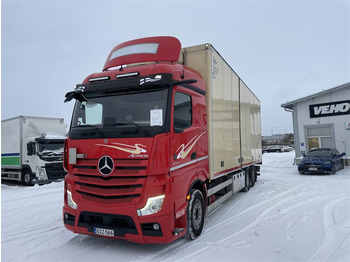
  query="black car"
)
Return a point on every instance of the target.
[
  {"x": 274, "y": 149},
  {"x": 321, "y": 161}
]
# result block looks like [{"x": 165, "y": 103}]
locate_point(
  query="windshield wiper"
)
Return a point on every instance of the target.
[
  {"x": 124, "y": 124},
  {"x": 93, "y": 126},
  {"x": 129, "y": 123}
]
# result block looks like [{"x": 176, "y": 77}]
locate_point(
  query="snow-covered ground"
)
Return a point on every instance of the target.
[{"x": 285, "y": 217}]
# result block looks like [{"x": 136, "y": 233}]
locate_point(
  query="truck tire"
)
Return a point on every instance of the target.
[
  {"x": 27, "y": 177},
  {"x": 246, "y": 180},
  {"x": 252, "y": 176},
  {"x": 195, "y": 215}
]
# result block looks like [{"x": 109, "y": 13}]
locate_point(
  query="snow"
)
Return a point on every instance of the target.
[{"x": 284, "y": 217}]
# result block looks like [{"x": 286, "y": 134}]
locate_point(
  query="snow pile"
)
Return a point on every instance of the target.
[
  {"x": 285, "y": 217},
  {"x": 279, "y": 159}
]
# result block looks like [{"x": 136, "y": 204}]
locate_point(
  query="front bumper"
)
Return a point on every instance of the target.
[
  {"x": 125, "y": 225},
  {"x": 318, "y": 169},
  {"x": 46, "y": 181}
]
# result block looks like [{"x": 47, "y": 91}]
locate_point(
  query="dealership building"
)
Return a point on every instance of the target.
[{"x": 322, "y": 120}]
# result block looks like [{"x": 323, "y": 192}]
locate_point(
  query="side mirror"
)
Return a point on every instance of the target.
[
  {"x": 342, "y": 154},
  {"x": 178, "y": 130},
  {"x": 31, "y": 148}
]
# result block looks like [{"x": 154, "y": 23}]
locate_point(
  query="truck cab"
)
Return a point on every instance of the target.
[
  {"x": 136, "y": 136},
  {"x": 44, "y": 157}
]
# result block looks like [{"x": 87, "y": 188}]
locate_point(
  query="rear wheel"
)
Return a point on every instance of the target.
[
  {"x": 195, "y": 215},
  {"x": 246, "y": 181},
  {"x": 252, "y": 176}
]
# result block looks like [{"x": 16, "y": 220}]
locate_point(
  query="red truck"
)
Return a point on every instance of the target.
[{"x": 158, "y": 139}]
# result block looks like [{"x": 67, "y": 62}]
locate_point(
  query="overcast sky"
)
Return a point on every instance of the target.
[{"x": 283, "y": 50}]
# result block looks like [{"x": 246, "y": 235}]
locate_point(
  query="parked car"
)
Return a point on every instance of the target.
[
  {"x": 287, "y": 148},
  {"x": 274, "y": 149},
  {"x": 321, "y": 161}
]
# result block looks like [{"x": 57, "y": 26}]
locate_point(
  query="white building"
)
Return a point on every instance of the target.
[{"x": 322, "y": 120}]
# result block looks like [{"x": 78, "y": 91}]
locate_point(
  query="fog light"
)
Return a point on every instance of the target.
[
  {"x": 156, "y": 226},
  {"x": 66, "y": 216}
]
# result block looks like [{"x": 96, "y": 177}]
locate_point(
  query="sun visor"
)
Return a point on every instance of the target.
[{"x": 150, "y": 49}]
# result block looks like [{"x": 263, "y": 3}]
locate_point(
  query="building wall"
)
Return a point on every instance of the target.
[{"x": 320, "y": 126}]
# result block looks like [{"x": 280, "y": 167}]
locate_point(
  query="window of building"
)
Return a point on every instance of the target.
[{"x": 318, "y": 137}]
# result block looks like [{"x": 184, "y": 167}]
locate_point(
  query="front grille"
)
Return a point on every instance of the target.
[
  {"x": 109, "y": 187},
  {"x": 312, "y": 165},
  {"x": 123, "y": 185},
  {"x": 119, "y": 223},
  {"x": 109, "y": 197},
  {"x": 55, "y": 170}
]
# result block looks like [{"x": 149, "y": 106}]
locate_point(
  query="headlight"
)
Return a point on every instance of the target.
[
  {"x": 70, "y": 200},
  {"x": 41, "y": 173},
  {"x": 327, "y": 163},
  {"x": 153, "y": 205}
]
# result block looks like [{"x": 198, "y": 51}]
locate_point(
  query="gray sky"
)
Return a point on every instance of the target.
[{"x": 283, "y": 50}]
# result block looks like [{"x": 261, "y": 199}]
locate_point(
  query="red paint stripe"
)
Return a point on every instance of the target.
[{"x": 235, "y": 168}]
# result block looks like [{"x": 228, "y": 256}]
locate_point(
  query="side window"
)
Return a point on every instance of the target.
[
  {"x": 182, "y": 111},
  {"x": 90, "y": 113}
]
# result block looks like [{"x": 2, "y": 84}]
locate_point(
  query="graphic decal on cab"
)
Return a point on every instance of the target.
[
  {"x": 134, "y": 150},
  {"x": 184, "y": 150}
]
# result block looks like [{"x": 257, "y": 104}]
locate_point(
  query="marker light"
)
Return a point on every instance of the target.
[
  {"x": 102, "y": 78},
  {"x": 127, "y": 75}
]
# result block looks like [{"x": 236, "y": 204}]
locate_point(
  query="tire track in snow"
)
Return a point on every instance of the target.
[
  {"x": 333, "y": 239},
  {"x": 210, "y": 230},
  {"x": 262, "y": 221},
  {"x": 259, "y": 224},
  {"x": 268, "y": 206}
]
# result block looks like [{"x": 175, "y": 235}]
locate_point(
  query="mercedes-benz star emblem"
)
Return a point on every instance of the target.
[{"x": 105, "y": 165}]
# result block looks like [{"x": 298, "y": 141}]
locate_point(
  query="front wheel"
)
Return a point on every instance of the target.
[
  {"x": 333, "y": 170},
  {"x": 195, "y": 215},
  {"x": 27, "y": 177}
]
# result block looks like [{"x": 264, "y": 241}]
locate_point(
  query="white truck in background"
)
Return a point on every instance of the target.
[{"x": 32, "y": 149}]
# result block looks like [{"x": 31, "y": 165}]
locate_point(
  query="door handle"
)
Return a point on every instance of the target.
[{"x": 194, "y": 155}]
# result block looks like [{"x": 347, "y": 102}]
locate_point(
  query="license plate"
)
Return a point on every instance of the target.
[
  {"x": 313, "y": 168},
  {"x": 104, "y": 232}
]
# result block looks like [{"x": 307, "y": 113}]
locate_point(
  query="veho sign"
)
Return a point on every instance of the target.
[{"x": 330, "y": 109}]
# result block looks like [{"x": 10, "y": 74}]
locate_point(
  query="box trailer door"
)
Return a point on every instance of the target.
[{"x": 11, "y": 143}]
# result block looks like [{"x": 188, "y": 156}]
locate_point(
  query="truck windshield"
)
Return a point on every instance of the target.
[
  {"x": 138, "y": 114},
  {"x": 51, "y": 148}
]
